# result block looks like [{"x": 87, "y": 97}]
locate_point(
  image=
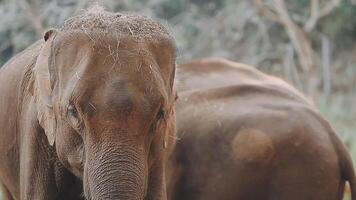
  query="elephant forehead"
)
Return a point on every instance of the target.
[
  {"x": 118, "y": 97},
  {"x": 125, "y": 96}
]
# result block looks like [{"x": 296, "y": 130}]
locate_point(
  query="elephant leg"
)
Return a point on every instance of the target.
[{"x": 4, "y": 193}]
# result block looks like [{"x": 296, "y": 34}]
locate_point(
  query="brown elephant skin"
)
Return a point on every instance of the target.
[
  {"x": 244, "y": 135},
  {"x": 87, "y": 112}
]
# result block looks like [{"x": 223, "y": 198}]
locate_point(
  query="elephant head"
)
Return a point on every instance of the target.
[{"x": 103, "y": 89}]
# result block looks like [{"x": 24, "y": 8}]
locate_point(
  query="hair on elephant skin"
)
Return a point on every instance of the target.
[{"x": 88, "y": 111}]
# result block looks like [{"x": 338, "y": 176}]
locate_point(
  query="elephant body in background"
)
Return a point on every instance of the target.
[
  {"x": 88, "y": 111},
  {"x": 246, "y": 135}
]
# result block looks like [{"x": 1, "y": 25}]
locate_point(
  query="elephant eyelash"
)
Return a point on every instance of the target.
[
  {"x": 161, "y": 114},
  {"x": 73, "y": 117},
  {"x": 176, "y": 97},
  {"x": 72, "y": 111}
]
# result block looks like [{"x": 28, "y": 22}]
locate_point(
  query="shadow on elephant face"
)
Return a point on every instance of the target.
[{"x": 106, "y": 102}]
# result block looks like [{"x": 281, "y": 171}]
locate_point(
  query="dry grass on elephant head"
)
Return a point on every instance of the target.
[{"x": 97, "y": 19}]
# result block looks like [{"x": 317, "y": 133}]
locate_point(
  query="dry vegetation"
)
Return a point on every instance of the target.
[{"x": 311, "y": 43}]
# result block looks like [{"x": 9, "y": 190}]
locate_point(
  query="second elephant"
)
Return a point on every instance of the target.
[{"x": 249, "y": 136}]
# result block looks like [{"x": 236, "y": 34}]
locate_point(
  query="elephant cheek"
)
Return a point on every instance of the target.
[
  {"x": 69, "y": 148},
  {"x": 75, "y": 161}
]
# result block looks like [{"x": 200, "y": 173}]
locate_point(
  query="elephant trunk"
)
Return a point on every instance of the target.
[{"x": 118, "y": 173}]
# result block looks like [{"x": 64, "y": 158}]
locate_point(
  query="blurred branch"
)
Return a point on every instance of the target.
[
  {"x": 263, "y": 33},
  {"x": 298, "y": 35},
  {"x": 264, "y": 11},
  {"x": 290, "y": 69},
  {"x": 328, "y": 8},
  {"x": 288, "y": 62},
  {"x": 314, "y": 15},
  {"x": 326, "y": 66},
  {"x": 317, "y": 13},
  {"x": 298, "y": 38},
  {"x": 33, "y": 15}
]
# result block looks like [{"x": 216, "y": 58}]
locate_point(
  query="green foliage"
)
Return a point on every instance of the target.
[
  {"x": 170, "y": 8},
  {"x": 209, "y": 4},
  {"x": 341, "y": 25}
]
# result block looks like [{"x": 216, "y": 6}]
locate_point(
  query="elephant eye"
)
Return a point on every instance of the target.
[
  {"x": 72, "y": 111},
  {"x": 73, "y": 116},
  {"x": 160, "y": 114},
  {"x": 176, "y": 97}
]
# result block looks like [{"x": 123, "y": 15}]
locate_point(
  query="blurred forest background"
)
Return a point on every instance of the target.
[{"x": 310, "y": 43}]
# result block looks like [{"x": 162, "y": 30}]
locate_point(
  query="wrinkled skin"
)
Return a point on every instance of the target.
[
  {"x": 246, "y": 135},
  {"x": 78, "y": 121}
]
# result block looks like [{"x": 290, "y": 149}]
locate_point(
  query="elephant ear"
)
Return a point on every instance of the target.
[{"x": 42, "y": 88}]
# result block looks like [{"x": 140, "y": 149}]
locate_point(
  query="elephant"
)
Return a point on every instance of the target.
[
  {"x": 243, "y": 134},
  {"x": 87, "y": 112}
]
